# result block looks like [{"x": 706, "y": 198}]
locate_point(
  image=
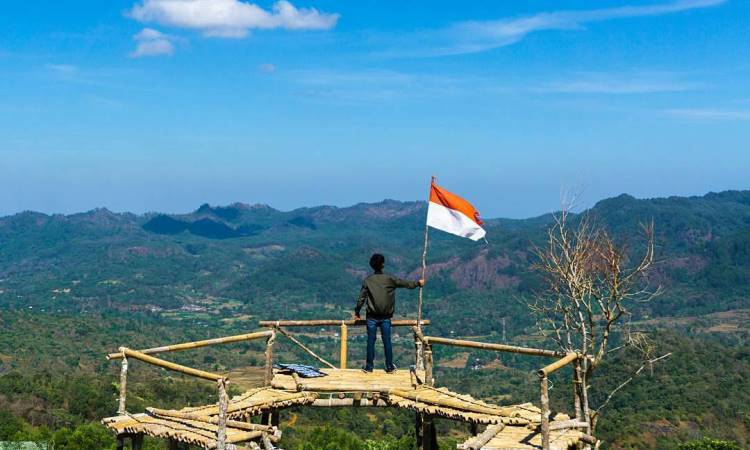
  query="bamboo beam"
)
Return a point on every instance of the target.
[
  {"x": 170, "y": 365},
  {"x": 344, "y": 336},
  {"x": 347, "y": 402},
  {"x": 557, "y": 365},
  {"x": 544, "y": 403},
  {"x": 479, "y": 441},
  {"x": 495, "y": 347},
  {"x": 123, "y": 386},
  {"x": 197, "y": 344},
  {"x": 305, "y": 348},
  {"x": 333, "y": 322},
  {"x": 453, "y": 403},
  {"x": 209, "y": 419},
  {"x": 565, "y": 424}
]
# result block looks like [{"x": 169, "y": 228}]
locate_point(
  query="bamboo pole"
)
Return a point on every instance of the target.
[
  {"x": 495, "y": 347},
  {"x": 221, "y": 431},
  {"x": 544, "y": 403},
  {"x": 577, "y": 405},
  {"x": 123, "y": 386},
  {"x": 557, "y": 365},
  {"x": 344, "y": 337},
  {"x": 479, "y": 441},
  {"x": 334, "y": 322},
  {"x": 305, "y": 348},
  {"x": 197, "y": 344},
  {"x": 347, "y": 402},
  {"x": 269, "y": 359},
  {"x": 565, "y": 424},
  {"x": 453, "y": 403},
  {"x": 170, "y": 365},
  {"x": 428, "y": 379},
  {"x": 419, "y": 345},
  {"x": 209, "y": 419}
]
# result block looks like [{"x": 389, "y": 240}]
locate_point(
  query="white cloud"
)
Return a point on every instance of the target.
[
  {"x": 150, "y": 42},
  {"x": 266, "y": 68},
  {"x": 63, "y": 69},
  {"x": 477, "y": 36},
  {"x": 628, "y": 83},
  {"x": 710, "y": 114},
  {"x": 230, "y": 18}
]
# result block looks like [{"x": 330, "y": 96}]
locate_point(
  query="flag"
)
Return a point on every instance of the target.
[{"x": 450, "y": 213}]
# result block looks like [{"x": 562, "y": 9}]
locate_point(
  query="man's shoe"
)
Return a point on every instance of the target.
[
  {"x": 391, "y": 370},
  {"x": 364, "y": 369}
]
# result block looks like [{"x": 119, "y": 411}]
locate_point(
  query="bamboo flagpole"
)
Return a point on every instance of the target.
[
  {"x": 418, "y": 344},
  {"x": 424, "y": 261}
]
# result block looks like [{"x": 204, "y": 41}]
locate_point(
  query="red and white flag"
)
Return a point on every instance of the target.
[{"x": 450, "y": 213}]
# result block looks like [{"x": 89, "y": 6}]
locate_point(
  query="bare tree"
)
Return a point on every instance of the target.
[{"x": 590, "y": 281}]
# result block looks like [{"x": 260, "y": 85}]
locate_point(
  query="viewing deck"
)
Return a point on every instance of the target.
[{"x": 228, "y": 424}]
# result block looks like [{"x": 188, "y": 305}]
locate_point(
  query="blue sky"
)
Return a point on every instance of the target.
[{"x": 166, "y": 104}]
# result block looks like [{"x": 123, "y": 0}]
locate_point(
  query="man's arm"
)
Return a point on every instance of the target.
[
  {"x": 401, "y": 283},
  {"x": 363, "y": 293}
]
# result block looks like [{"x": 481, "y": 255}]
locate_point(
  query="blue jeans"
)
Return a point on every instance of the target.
[{"x": 385, "y": 333}]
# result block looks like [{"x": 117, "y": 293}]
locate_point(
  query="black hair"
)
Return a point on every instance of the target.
[{"x": 377, "y": 261}]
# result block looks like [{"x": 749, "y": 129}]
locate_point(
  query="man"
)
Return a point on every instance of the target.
[{"x": 378, "y": 292}]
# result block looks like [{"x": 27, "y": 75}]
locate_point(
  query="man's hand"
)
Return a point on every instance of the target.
[
  {"x": 421, "y": 282},
  {"x": 356, "y": 317}
]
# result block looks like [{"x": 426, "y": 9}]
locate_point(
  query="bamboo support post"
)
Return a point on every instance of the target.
[
  {"x": 544, "y": 403},
  {"x": 334, "y": 322},
  {"x": 428, "y": 379},
  {"x": 123, "y": 386},
  {"x": 344, "y": 337},
  {"x": 221, "y": 431},
  {"x": 557, "y": 365},
  {"x": 269, "y": 359},
  {"x": 577, "y": 406},
  {"x": 197, "y": 344},
  {"x": 495, "y": 347},
  {"x": 170, "y": 365},
  {"x": 305, "y": 348}
]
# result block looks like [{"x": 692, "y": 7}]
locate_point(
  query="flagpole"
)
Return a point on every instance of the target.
[
  {"x": 424, "y": 263},
  {"x": 419, "y": 347}
]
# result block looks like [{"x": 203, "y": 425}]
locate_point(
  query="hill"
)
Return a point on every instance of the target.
[{"x": 74, "y": 286}]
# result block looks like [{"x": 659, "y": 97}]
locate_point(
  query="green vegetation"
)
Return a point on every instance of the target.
[{"x": 74, "y": 287}]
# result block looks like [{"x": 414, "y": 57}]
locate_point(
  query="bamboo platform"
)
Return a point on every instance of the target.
[
  {"x": 524, "y": 438},
  {"x": 348, "y": 381},
  {"x": 227, "y": 424},
  {"x": 255, "y": 402},
  {"x": 193, "y": 432},
  {"x": 198, "y": 425}
]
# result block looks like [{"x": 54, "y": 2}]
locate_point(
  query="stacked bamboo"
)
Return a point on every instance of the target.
[
  {"x": 515, "y": 437},
  {"x": 254, "y": 402},
  {"x": 193, "y": 432},
  {"x": 444, "y": 403}
]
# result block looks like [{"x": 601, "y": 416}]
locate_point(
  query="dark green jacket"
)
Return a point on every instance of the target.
[{"x": 378, "y": 291}]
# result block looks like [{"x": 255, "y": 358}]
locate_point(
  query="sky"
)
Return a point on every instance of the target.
[{"x": 162, "y": 105}]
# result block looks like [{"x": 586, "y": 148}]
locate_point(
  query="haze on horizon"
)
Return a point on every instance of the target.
[{"x": 138, "y": 107}]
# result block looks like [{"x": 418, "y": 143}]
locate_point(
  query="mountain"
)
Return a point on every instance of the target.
[
  {"x": 252, "y": 253},
  {"x": 73, "y": 287}
]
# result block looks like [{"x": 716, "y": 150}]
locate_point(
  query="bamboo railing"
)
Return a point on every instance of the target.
[
  {"x": 125, "y": 353},
  {"x": 279, "y": 325},
  {"x": 563, "y": 360}
]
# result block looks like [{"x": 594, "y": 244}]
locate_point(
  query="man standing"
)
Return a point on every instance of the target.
[{"x": 378, "y": 291}]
